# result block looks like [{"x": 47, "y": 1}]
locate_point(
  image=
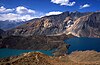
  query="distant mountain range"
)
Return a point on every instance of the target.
[
  {"x": 9, "y": 24},
  {"x": 81, "y": 24}
]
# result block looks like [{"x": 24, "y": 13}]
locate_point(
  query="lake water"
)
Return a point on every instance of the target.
[
  {"x": 13, "y": 52},
  {"x": 83, "y": 44}
]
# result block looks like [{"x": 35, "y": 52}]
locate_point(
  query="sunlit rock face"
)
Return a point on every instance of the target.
[
  {"x": 68, "y": 22},
  {"x": 86, "y": 26},
  {"x": 47, "y": 23}
]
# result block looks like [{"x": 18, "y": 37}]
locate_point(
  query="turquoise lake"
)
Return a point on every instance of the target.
[
  {"x": 13, "y": 52},
  {"x": 83, "y": 44}
]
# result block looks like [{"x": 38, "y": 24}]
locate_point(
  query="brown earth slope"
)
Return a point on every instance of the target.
[{"x": 37, "y": 58}]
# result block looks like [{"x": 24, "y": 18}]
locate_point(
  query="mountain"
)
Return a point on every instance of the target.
[
  {"x": 1, "y": 31},
  {"x": 86, "y": 26},
  {"x": 81, "y": 24},
  {"x": 9, "y": 24},
  {"x": 48, "y": 25}
]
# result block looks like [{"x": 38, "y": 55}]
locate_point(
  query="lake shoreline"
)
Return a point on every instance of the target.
[{"x": 38, "y": 42}]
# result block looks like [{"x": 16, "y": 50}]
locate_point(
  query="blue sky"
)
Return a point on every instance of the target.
[{"x": 28, "y": 9}]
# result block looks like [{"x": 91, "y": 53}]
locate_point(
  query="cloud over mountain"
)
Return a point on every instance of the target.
[
  {"x": 84, "y": 6},
  {"x": 63, "y": 2},
  {"x": 17, "y": 17},
  {"x": 53, "y": 13},
  {"x": 22, "y": 13}
]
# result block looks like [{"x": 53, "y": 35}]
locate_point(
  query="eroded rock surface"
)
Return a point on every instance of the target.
[{"x": 86, "y": 26}]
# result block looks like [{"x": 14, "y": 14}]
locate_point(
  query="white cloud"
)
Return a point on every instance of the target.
[
  {"x": 84, "y": 6},
  {"x": 53, "y": 13},
  {"x": 24, "y": 10},
  {"x": 26, "y": 17},
  {"x": 9, "y": 16},
  {"x": 63, "y": 2},
  {"x": 4, "y": 10},
  {"x": 12, "y": 16},
  {"x": 19, "y": 13}
]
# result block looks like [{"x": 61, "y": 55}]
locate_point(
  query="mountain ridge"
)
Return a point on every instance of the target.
[
  {"x": 9, "y": 24},
  {"x": 48, "y": 25}
]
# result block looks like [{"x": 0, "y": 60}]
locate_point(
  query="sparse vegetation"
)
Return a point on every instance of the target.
[{"x": 37, "y": 58}]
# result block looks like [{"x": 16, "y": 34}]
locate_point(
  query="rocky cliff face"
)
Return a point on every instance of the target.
[
  {"x": 86, "y": 26},
  {"x": 47, "y": 25}
]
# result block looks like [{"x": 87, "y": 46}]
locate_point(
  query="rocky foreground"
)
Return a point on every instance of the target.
[{"x": 37, "y": 58}]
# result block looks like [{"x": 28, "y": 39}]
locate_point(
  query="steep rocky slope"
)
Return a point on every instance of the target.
[
  {"x": 2, "y": 33},
  {"x": 47, "y": 25},
  {"x": 86, "y": 26}
]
